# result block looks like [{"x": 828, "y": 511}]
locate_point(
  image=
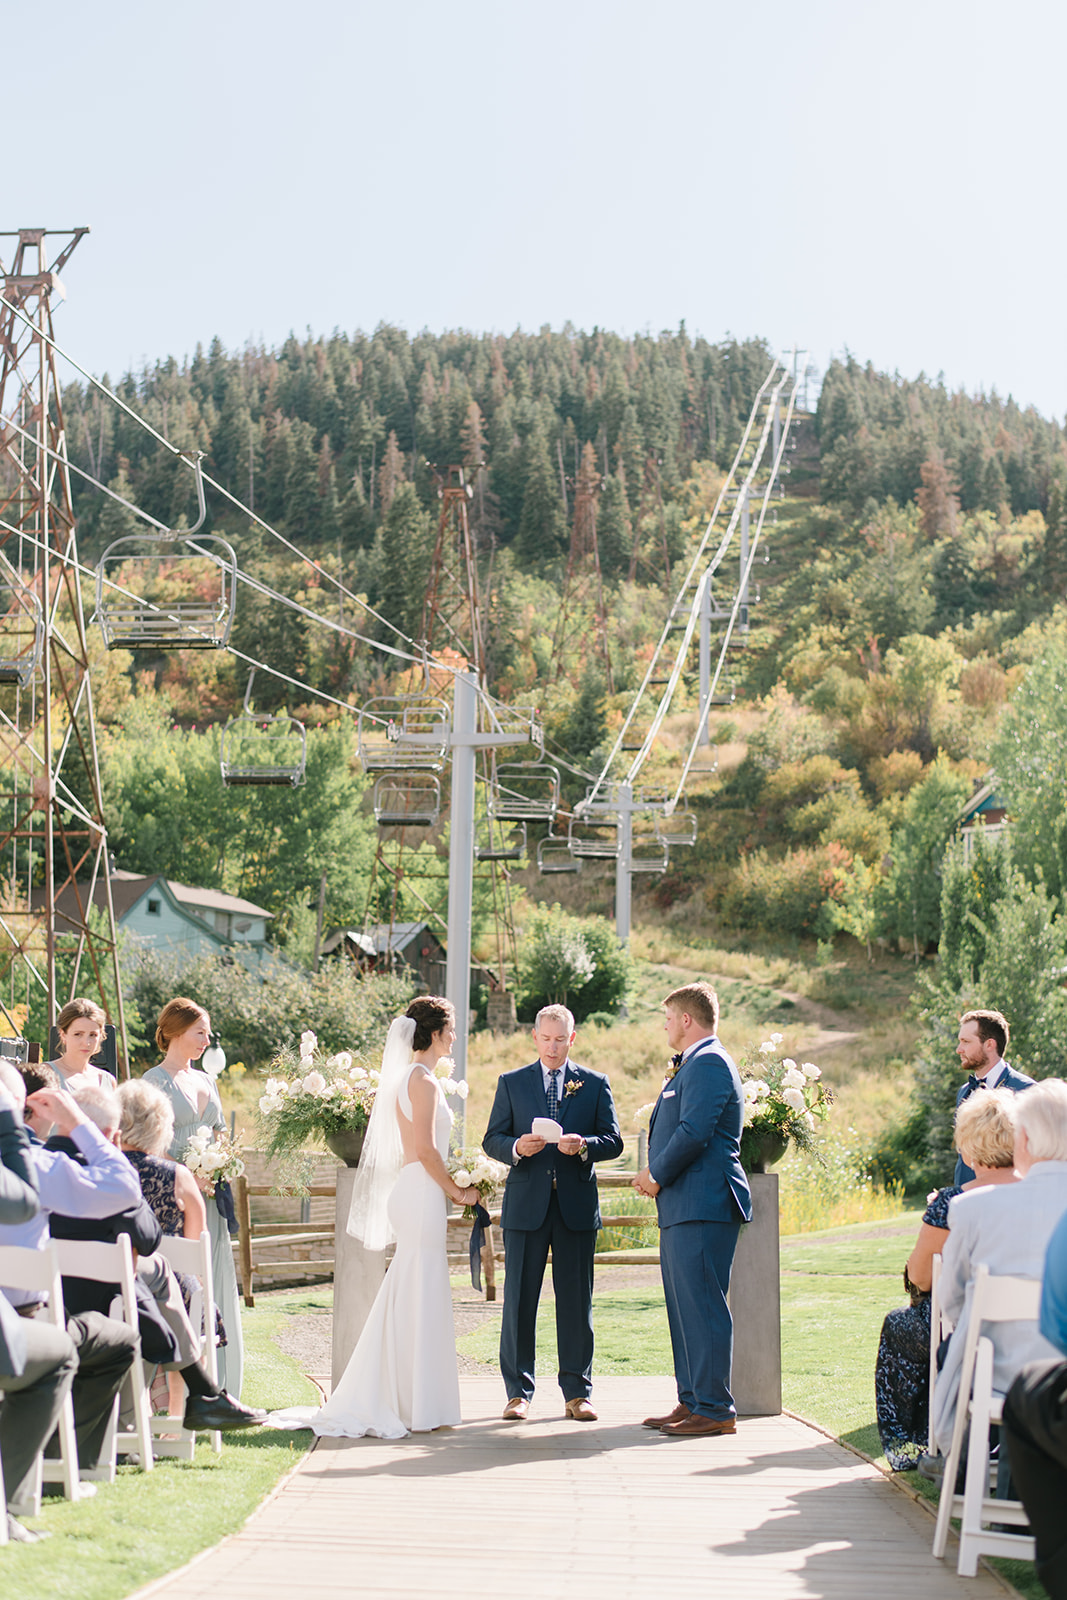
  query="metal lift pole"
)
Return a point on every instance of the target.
[
  {"x": 624, "y": 804},
  {"x": 705, "y": 656},
  {"x": 461, "y": 861}
]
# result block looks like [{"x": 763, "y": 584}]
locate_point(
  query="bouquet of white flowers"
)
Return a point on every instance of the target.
[
  {"x": 473, "y": 1169},
  {"x": 213, "y": 1156},
  {"x": 783, "y": 1102}
]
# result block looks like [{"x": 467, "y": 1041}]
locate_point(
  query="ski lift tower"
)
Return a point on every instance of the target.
[{"x": 53, "y": 843}]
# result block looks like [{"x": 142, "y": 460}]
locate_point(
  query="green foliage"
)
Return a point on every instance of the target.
[
  {"x": 1030, "y": 761},
  {"x": 1003, "y": 947},
  {"x": 169, "y": 812},
  {"x": 260, "y": 1012},
  {"x": 784, "y": 894},
  {"x": 910, "y": 898},
  {"x": 573, "y": 961}
]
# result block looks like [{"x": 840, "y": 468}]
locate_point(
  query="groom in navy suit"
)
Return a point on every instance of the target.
[
  {"x": 694, "y": 1173},
  {"x": 980, "y": 1045},
  {"x": 550, "y": 1201}
]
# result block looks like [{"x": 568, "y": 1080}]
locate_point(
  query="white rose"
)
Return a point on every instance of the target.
[
  {"x": 751, "y": 1092},
  {"x": 358, "y": 1074},
  {"x": 750, "y": 1112},
  {"x": 789, "y": 1064},
  {"x": 766, "y": 1048},
  {"x": 794, "y": 1099},
  {"x": 462, "y": 1178},
  {"x": 793, "y": 1079},
  {"x": 810, "y": 1070},
  {"x": 460, "y": 1087},
  {"x": 342, "y": 1060},
  {"x": 308, "y": 1045},
  {"x": 776, "y": 1038},
  {"x": 270, "y": 1103},
  {"x": 445, "y": 1067},
  {"x": 314, "y": 1083},
  {"x": 762, "y": 1089}
]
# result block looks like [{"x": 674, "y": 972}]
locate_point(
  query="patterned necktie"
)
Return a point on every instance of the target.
[
  {"x": 974, "y": 1083},
  {"x": 676, "y": 1061},
  {"x": 553, "y": 1093}
]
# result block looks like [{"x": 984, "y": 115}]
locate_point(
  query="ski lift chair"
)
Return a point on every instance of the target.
[
  {"x": 554, "y": 855},
  {"x": 495, "y": 846},
  {"x": 404, "y": 732},
  {"x": 524, "y": 791},
  {"x": 597, "y": 840},
  {"x": 649, "y": 855},
  {"x": 141, "y": 622},
  {"x": 22, "y": 629},
  {"x": 407, "y": 800},
  {"x": 678, "y": 828},
  {"x": 257, "y": 751}
]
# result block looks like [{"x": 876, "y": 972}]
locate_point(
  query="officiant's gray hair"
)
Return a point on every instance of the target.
[{"x": 556, "y": 1014}]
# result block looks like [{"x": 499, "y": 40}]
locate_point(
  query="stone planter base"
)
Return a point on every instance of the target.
[{"x": 755, "y": 1301}]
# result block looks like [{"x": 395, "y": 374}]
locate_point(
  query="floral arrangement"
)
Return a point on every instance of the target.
[
  {"x": 318, "y": 1097},
  {"x": 782, "y": 1099},
  {"x": 473, "y": 1169},
  {"x": 213, "y": 1156}
]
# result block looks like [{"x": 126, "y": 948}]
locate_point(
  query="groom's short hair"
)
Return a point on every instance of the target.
[
  {"x": 556, "y": 1013},
  {"x": 699, "y": 1000}
]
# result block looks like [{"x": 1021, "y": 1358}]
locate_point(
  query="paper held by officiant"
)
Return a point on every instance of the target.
[{"x": 546, "y": 1128}]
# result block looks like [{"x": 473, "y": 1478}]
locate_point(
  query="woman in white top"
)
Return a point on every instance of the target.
[{"x": 81, "y": 1033}]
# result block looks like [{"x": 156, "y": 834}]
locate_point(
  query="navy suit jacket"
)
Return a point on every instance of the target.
[
  {"x": 694, "y": 1142},
  {"x": 1007, "y": 1080},
  {"x": 588, "y": 1110}
]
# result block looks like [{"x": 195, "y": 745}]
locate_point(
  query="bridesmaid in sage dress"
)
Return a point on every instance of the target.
[{"x": 183, "y": 1033}]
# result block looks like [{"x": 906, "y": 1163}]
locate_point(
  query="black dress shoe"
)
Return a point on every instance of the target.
[{"x": 208, "y": 1412}]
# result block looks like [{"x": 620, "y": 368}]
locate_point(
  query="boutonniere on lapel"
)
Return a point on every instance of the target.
[
  {"x": 572, "y": 1085},
  {"x": 671, "y": 1071}
]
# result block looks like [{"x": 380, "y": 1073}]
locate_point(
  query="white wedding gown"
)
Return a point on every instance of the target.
[{"x": 402, "y": 1375}]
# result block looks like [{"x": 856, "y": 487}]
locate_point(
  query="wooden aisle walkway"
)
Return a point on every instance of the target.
[{"x": 550, "y": 1509}]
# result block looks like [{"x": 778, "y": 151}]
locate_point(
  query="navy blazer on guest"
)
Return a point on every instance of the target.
[
  {"x": 694, "y": 1141},
  {"x": 588, "y": 1110},
  {"x": 1008, "y": 1079}
]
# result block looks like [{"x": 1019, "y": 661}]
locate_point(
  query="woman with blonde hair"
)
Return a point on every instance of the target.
[
  {"x": 985, "y": 1138},
  {"x": 183, "y": 1033}
]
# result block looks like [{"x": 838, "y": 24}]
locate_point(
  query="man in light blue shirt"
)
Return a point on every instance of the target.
[{"x": 1035, "y": 1424}]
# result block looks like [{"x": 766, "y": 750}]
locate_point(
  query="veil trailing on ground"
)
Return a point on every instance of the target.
[{"x": 383, "y": 1154}]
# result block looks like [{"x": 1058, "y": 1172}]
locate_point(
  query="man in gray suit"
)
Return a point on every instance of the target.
[
  {"x": 1007, "y": 1226},
  {"x": 37, "y": 1361}
]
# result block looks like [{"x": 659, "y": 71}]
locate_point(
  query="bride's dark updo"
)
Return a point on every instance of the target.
[{"x": 430, "y": 1013}]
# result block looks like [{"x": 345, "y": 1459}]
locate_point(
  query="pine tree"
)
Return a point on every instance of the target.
[
  {"x": 542, "y": 525},
  {"x": 937, "y": 500}
]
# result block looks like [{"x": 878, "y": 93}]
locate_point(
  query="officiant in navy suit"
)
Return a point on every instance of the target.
[
  {"x": 980, "y": 1045},
  {"x": 551, "y": 1201},
  {"x": 694, "y": 1173}
]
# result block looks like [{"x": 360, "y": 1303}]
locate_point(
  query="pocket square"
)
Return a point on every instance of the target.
[{"x": 668, "y": 1094}]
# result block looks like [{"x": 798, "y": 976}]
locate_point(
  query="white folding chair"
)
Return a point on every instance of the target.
[
  {"x": 111, "y": 1263},
  {"x": 38, "y": 1270},
  {"x": 940, "y": 1328},
  {"x": 995, "y": 1299},
  {"x": 193, "y": 1257}
]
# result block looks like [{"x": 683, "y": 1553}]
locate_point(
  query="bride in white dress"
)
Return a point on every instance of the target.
[{"x": 402, "y": 1374}]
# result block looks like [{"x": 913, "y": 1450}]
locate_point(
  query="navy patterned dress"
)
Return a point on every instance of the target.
[
  {"x": 157, "y": 1185},
  {"x": 902, "y": 1370}
]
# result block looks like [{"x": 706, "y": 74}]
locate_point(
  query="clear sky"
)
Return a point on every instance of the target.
[{"x": 836, "y": 173}]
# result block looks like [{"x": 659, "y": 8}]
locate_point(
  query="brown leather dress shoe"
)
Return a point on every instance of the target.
[
  {"x": 515, "y": 1410},
  {"x": 679, "y": 1414},
  {"x": 580, "y": 1411},
  {"x": 697, "y": 1427}
]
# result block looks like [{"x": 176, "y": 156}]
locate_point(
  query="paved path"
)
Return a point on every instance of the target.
[{"x": 551, "y": 1509}]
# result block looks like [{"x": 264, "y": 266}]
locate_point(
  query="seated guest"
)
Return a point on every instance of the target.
[
  {"x": 146, "y": 1128},
  {"x": 1035, "y": 1426},
  {"x": 985, "y": 1139},
  {"x": 80, "y": 1026},
  {"x": 167, "y": 1337},
  {"x": 37, "y": 1361},
  {"x": 1007, "y": 1228},
  {"x": 94, "y": 1185}
]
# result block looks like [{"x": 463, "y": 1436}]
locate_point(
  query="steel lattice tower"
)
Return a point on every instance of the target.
[{"x": 53, "y": 843}]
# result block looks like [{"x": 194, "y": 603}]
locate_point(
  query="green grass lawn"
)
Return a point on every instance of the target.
[{"x": 146, "y": 1524}]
